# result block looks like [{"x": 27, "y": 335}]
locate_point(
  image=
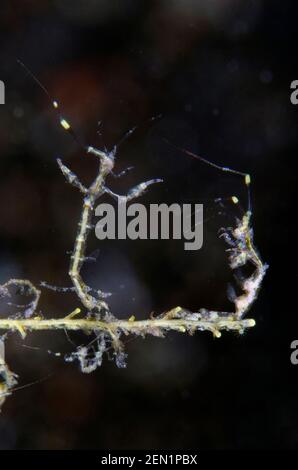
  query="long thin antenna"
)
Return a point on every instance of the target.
[
  {"x": 124, "y": 137},
  {"x": 133, "y": 129},
  {"x": 30, "y": 384},
  {"x": 34, "y": 78},
  {"x": 246, "y": 176},
  {"x": 63, "y": 122}
]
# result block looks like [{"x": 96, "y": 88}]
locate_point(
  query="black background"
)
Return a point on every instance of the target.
[{"x": 219, "y": 73}]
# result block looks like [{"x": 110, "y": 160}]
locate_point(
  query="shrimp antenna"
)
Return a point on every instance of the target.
[
  {"x": 30, "y": 384},
  {"x": 127, "y": 134},
  {"x": 63, "y": 122},
  {"x": 246, "y": 176}
]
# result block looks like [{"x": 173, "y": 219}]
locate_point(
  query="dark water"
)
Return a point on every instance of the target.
[{"x": 219, "y": 74}]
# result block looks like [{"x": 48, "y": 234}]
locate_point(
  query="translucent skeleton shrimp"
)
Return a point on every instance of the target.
[
  {"x": 98, "y": 319},
  {"x": 241, "y": 245},
  {"x": 90, "y": 196}
]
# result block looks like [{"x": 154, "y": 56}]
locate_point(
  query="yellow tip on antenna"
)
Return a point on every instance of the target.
[
  {"x": 247, "y": 179},
  {"x": 55, "y": 104},
  {"x": 235, "y": 199},
  {"x": 65, "y": 124}
]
